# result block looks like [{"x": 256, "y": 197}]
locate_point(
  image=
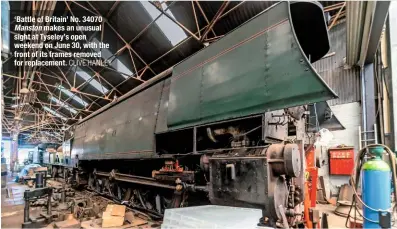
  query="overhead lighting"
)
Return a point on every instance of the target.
[
  {"x": 73, "y": 96},
  {"x": 91, "y": 80},
  {"x": 24, "y": 89},
  {"x": 115, "y": 63},
  {"x": 63, "y": 104},
  {"x": 54, "y": 113},
  {"x": 18, "y": 105}
]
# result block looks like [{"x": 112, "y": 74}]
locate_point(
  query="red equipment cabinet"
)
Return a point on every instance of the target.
[{"x": 341, "y": 160}]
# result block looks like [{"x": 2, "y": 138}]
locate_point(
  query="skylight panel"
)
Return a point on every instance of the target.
[
  {"x": 91, "y": 80},
  {"x": 116, "y": 64},
  {"x": 172, "y": 31},
  {"x": 55, "y": 113},
  {"x": 73, "y": 96},
  {"x": 63, "y": 104},
  {"x": 51, "y": 134}
]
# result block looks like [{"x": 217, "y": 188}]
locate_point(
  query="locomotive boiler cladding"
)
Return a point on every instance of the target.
[{"x": 216, "y": 130}]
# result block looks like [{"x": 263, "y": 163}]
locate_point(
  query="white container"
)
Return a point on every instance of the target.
[{"x": 211, "y": 216}]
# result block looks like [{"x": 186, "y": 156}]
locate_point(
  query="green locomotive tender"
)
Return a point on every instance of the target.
[{"x": 215, "y": 130}]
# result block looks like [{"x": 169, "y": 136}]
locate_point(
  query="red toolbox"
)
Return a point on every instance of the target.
[{"x": 341, "y": 160}]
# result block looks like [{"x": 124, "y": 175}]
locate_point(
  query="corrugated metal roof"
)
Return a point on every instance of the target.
[{"x": 345, "y": 82}]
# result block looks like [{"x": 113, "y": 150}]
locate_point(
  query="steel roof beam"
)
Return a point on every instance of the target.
[
  {"x": 205, "y": 16},
  {"x": 97, "y": 12},
  {"x": 176, "y": 22},
  {"x": 114, "y": 6},
  {"x": 334, "y": 7},
  {"x": 65, "y": 104},
  {"x": 53, "y": 86},
  {"x": 337, "y": 16},
  {"x": 128, "y": 46},
  {"x": 215, "y": 19},
  {"x": 117, "y": 33},
  {"x": 57, "y": 105},
  {"x": 96, "y": 73},
  {"x": 48, "y": 90},
  {"x": 195, "y": 19},
  {"x": 148, "y": 26}
]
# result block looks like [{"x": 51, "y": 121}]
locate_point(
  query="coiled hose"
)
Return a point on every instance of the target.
[{"x": 355, "y": 179}]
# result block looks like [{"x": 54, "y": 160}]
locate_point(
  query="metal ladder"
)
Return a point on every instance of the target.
[
  {"x": 363, "y": 140},
  {"x": 315, "y": 116}
]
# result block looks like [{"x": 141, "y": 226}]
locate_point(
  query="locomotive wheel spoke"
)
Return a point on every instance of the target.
[{"x": 123, "y": 193}]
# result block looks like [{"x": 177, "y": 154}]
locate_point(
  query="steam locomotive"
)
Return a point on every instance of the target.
[{"x": 225, "y": 126}]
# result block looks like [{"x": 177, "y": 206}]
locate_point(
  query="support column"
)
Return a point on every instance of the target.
[
  {"x": 14, "y": 152},
  {"x": 368, "y": 102},
  {"x": 392, "y": 77}
]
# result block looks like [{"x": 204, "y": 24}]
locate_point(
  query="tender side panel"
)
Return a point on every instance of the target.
[
  {"x": 256, "y": 68},
  {"x": 161, "y": 125},
  {"x": 125, "y": 130}
]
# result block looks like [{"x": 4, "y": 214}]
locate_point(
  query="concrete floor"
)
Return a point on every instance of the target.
[
  {"x": 12, "y": 208},
  {"x": 334, "y": 221},
  {"x": 12, "y": 205}
]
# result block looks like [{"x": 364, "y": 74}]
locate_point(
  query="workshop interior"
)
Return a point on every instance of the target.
[{"x": 198, "y": 114}]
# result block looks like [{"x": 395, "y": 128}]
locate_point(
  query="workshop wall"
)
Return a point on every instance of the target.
[
  {"x": 349, "y": 115},
  {"x": 347, "y": 108}
]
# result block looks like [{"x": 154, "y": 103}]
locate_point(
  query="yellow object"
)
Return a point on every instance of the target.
[{"x": 113, "y": 216}]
